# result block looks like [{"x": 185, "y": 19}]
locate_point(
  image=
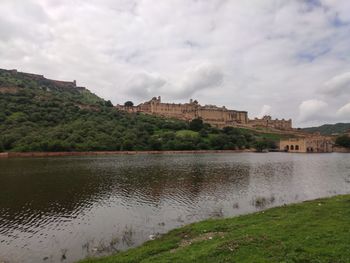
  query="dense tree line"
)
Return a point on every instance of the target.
[
  {"x": 343, "y": 141},
  {"x": 41, "y": 118}
]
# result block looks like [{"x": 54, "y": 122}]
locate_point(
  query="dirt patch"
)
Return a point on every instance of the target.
[
  {"x": 235, "y": 244},
  {"x": 206, "y": 236},
  {"x": 9, "y": 90}
]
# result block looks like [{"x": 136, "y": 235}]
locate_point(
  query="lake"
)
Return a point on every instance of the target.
[{"x": 64, "y": 209}]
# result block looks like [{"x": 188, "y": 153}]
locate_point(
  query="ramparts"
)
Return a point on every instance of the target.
[
  {"x": 42, "y": 79},
  {"x": 216, "y": 116},
  {"x": 268, "y": 122}
]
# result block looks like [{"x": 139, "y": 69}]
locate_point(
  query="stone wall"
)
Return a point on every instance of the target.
[
  {"x": 316, "y": 144},
  {"x": 293, "y": 145},
  {"x": 268, "y": 122},
  {"x": 41, "y": 78},
  {"x": 216, "y": 116},
  {"x": 64, "y": 84},
  {"x": 340, "y": 149},
  {"x": 4, "y": 155}
]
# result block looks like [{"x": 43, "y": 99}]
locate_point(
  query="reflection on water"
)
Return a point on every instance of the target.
[{"x": 64, "y": 209}]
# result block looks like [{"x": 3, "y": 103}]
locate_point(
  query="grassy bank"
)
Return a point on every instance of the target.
[{"x": 313, "y": 231}]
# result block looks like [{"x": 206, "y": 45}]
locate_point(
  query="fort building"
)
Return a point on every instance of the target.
[
  {"x": 46, "y": 82},
  {"x": 268, "y": 122},
  {"x": 216, "y": 116},
  {"x": 309, "y": 144}
]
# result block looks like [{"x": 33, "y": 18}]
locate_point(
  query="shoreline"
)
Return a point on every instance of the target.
[
  {"x": 266, "y": 232},
  {"x": 8, "y": 155},
  {"x": 100, "y": 153}
]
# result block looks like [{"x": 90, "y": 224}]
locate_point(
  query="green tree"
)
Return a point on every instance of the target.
[
  {"x": 44, "y": 117},
  {"x": 219, "y": 141},
  {"x": 196, "y": 124},
  {"x": 343, "y": 141},
  {"x": 264, "y": 145},
  {"x": 230, "y": 131},
  {"x": 155, "y": 143},
  {"x": 128, "y": 103},
  {"x": 1, "y": 147},
  {"x": 260, "y": 146},
  {"x": 2, "y": 117},
  {"x": 108, "y": 103}
]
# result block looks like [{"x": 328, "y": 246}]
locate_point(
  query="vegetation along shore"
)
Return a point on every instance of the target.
[
  {"x": 312, "y": 231},
  {"x": 92, "y": 153},
  {"x": 42, "y": 115}
]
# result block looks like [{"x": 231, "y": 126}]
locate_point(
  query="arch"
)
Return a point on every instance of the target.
[
  {"x": 292, "y": 147},
  {"x": 286, "y": 148},
  {"x": 297, "y": 147}
]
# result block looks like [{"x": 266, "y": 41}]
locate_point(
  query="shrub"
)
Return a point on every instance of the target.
[{"x": 343, "y": 141}]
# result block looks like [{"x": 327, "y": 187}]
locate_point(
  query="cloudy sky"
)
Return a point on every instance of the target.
[{"x": 290, "y": 59}]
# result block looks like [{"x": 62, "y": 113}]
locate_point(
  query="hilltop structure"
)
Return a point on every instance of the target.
[
  {"x": 216, "y": 116},
  {"x": 44, "y": 81},
  {"x": 268, "y": 122}
]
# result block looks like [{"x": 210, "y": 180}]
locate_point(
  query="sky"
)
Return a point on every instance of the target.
[{"x": 287, "y": 59}]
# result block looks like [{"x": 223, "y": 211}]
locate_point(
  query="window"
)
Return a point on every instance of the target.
[
  {"x": 297, "y": 147},
  {"x": 292, "y": 147}
]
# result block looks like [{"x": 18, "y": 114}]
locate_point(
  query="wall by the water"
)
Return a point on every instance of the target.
[{"x": 340, "y": 149}]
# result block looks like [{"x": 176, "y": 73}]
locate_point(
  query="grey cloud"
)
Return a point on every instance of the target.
[
  {"x": 241, "y": 54},
  {"x": 344, "y": 112},
  {"x": 19, "y": 19},
  {"x": 198, "y": 78},
  {"x": 201, "y": 77},
  {"x": 145, "y": 85},
  {"x": 311, "y": 110},
  {"x": 338, "y": 85},
  {"x": 265, "y": 110}
]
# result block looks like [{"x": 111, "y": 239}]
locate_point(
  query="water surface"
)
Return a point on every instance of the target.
[{"x": 64, "y": 209}]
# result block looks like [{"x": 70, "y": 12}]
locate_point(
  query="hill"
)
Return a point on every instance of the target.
[
  {"x": 39, "y": 114},
  {"x": 329, "y": 129}
]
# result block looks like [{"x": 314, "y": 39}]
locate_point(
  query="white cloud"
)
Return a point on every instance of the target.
[
  {"x": 241, "y": 54},
  {"x": 198, "y": 78},
  {"x": 338, "y": 85},
  {"x": 344, "y": 112},
  {"x": 311, "y": 110},
  {"x": 201, "y": 77},
  {"x": 145, "y": 85}
]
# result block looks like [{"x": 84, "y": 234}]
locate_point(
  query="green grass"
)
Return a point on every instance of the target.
[
  {"x": 273, "y": 136},
  {"x": 187, "y": 133},
  {"x": 262, "y": 134},
  {"x": 313, "y": 231}
]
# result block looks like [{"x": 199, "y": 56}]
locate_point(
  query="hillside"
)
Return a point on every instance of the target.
[
  {"x": 38, "y": 114},
  {"x": 329, "y": 129}
]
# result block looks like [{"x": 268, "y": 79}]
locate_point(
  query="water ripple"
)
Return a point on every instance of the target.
[{"x": 83, "y": 206}]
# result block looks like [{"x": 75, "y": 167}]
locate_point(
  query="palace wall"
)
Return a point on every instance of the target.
[
  {"x": 316, "y": 144},
  {"x": 42, "y": 79},
  {"x": 268, "y": 122},
  {"x": 216, "y": 116}
]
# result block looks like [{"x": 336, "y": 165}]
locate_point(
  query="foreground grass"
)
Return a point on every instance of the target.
[{"x": 313, "y": 231}]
